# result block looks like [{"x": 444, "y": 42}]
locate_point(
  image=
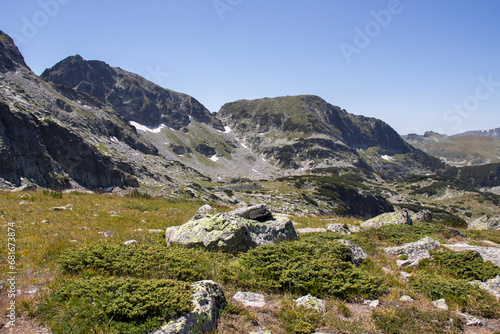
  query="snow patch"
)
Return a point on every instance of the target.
[
  {"x": 387, "y": 157},
  {"x": 256, "y": 171},
  {"x": 214, "y": 158},
  {"x": 114, "y": 139},
  {"x": 227, "y": 129},
  {"x": 145, "y": 128},
  {"x": 244, "y": 145},
  {"x": 264, "y": 160}
]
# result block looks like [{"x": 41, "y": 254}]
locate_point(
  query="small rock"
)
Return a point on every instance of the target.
[
  {"x": 113, "y": 213},
  {"x": 31, "y": 292},
  {"x": 471, "y": 320},
  {"x": 73, "y": 241},
  {"x": 339, "y": 228},
  {"x": 83, "y": 228},
  {"x": 455, "y": 232},
  {"x": 130, "y": 242},
  {"x": 138, "y": 230},
  {"x": 440, "y": 304},
  {"x": 423, "y": 216},
  {"x": 358, "y": 254},
  {"x": 23, "y": 203},
  {"x": 371, "y": 303},
  {"x": 250, "y": 299},
  {"x": 267, "y": 331},
  {"x": 203, "y": 211},
  {"x": 310, "y": 230},
  {"x": 406, "y": 298},
  {"x": 258, "y": 212},
  {"x": 59, "y": 208},
  {"x": 107, "y": 234},
  {"x": 152, "y": 230},
  {"x": 45, "y": 221},
  {"x": 311, "y": 302},
  {"x": 403, "y": 263}
]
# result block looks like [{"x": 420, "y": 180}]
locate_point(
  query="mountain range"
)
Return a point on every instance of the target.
[{"x": 86, "y": 124}]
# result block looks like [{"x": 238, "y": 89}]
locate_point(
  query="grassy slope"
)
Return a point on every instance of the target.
[{"x": 40, "y": 246}]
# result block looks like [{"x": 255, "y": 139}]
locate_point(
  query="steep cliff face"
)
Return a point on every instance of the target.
[
  {"x": 130, "y": 95},
  {"x": 307, "y": 132},
  {"x": 51, "y": 155}
]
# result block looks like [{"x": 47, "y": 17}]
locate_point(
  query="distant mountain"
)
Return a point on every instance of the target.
[
  {"x": 480, "y": 133},
  {"x": 467, "y": 149}
]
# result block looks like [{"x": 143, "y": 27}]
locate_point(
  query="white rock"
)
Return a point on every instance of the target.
[{"x": 250, "y": 299}]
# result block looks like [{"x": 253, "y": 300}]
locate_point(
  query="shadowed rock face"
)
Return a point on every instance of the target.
[
  {"x": 132, "y": 96},
  {"x": 10, "y": 57},
  {"x": 45, "y": 151}
]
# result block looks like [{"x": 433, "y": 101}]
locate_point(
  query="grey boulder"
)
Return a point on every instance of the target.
[
  {"x": 229, "y": 232},
  {"x": 389, "y": 218},
  {"x": 208, "y": 300}
]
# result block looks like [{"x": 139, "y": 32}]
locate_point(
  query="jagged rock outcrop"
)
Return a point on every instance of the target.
[
  {"x": 485, "y": 223},
  {"x": 132, "y": 96},
  {"x": 230, "y": 232},
  {"x": 389, "y": 218},
  {"x": 208, "y": 300}
]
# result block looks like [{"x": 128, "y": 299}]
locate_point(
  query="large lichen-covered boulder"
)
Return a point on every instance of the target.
[
  {"x": 231, "y": 233},
  {"x": 485, "y": 223},
  {"x": 208, "y": 300},
  {"x": 389, "y": 218}
]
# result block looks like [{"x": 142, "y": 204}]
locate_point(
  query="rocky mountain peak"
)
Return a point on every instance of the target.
[
  {"x": 132, "y": 96},
  {"x": 10, "y": 57}
]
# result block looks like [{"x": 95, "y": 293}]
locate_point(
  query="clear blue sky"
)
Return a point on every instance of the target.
[{"x": 416, "y": 64}]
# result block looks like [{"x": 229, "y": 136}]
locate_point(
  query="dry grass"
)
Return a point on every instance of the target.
[{"x": 39, "y": 243}]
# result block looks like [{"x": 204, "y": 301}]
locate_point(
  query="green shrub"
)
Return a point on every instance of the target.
[
  {"x": 298, "y": 319},
  {"x": 466, "y": 265},
  {"x": 401, "y": 234},
  {"x": 411, "y": 320},
  {"x": 315, "y": 266},
  {"x": 136, "y": 193},
  {"x": 114, "y": 305},
  {"x": 144, "y": 261},
  {"x": 468, "y": 297}
]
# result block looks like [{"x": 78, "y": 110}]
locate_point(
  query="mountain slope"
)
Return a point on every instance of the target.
[
  {"x": 59, "y": 137},
  {"x": 307, "y": 132}
]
